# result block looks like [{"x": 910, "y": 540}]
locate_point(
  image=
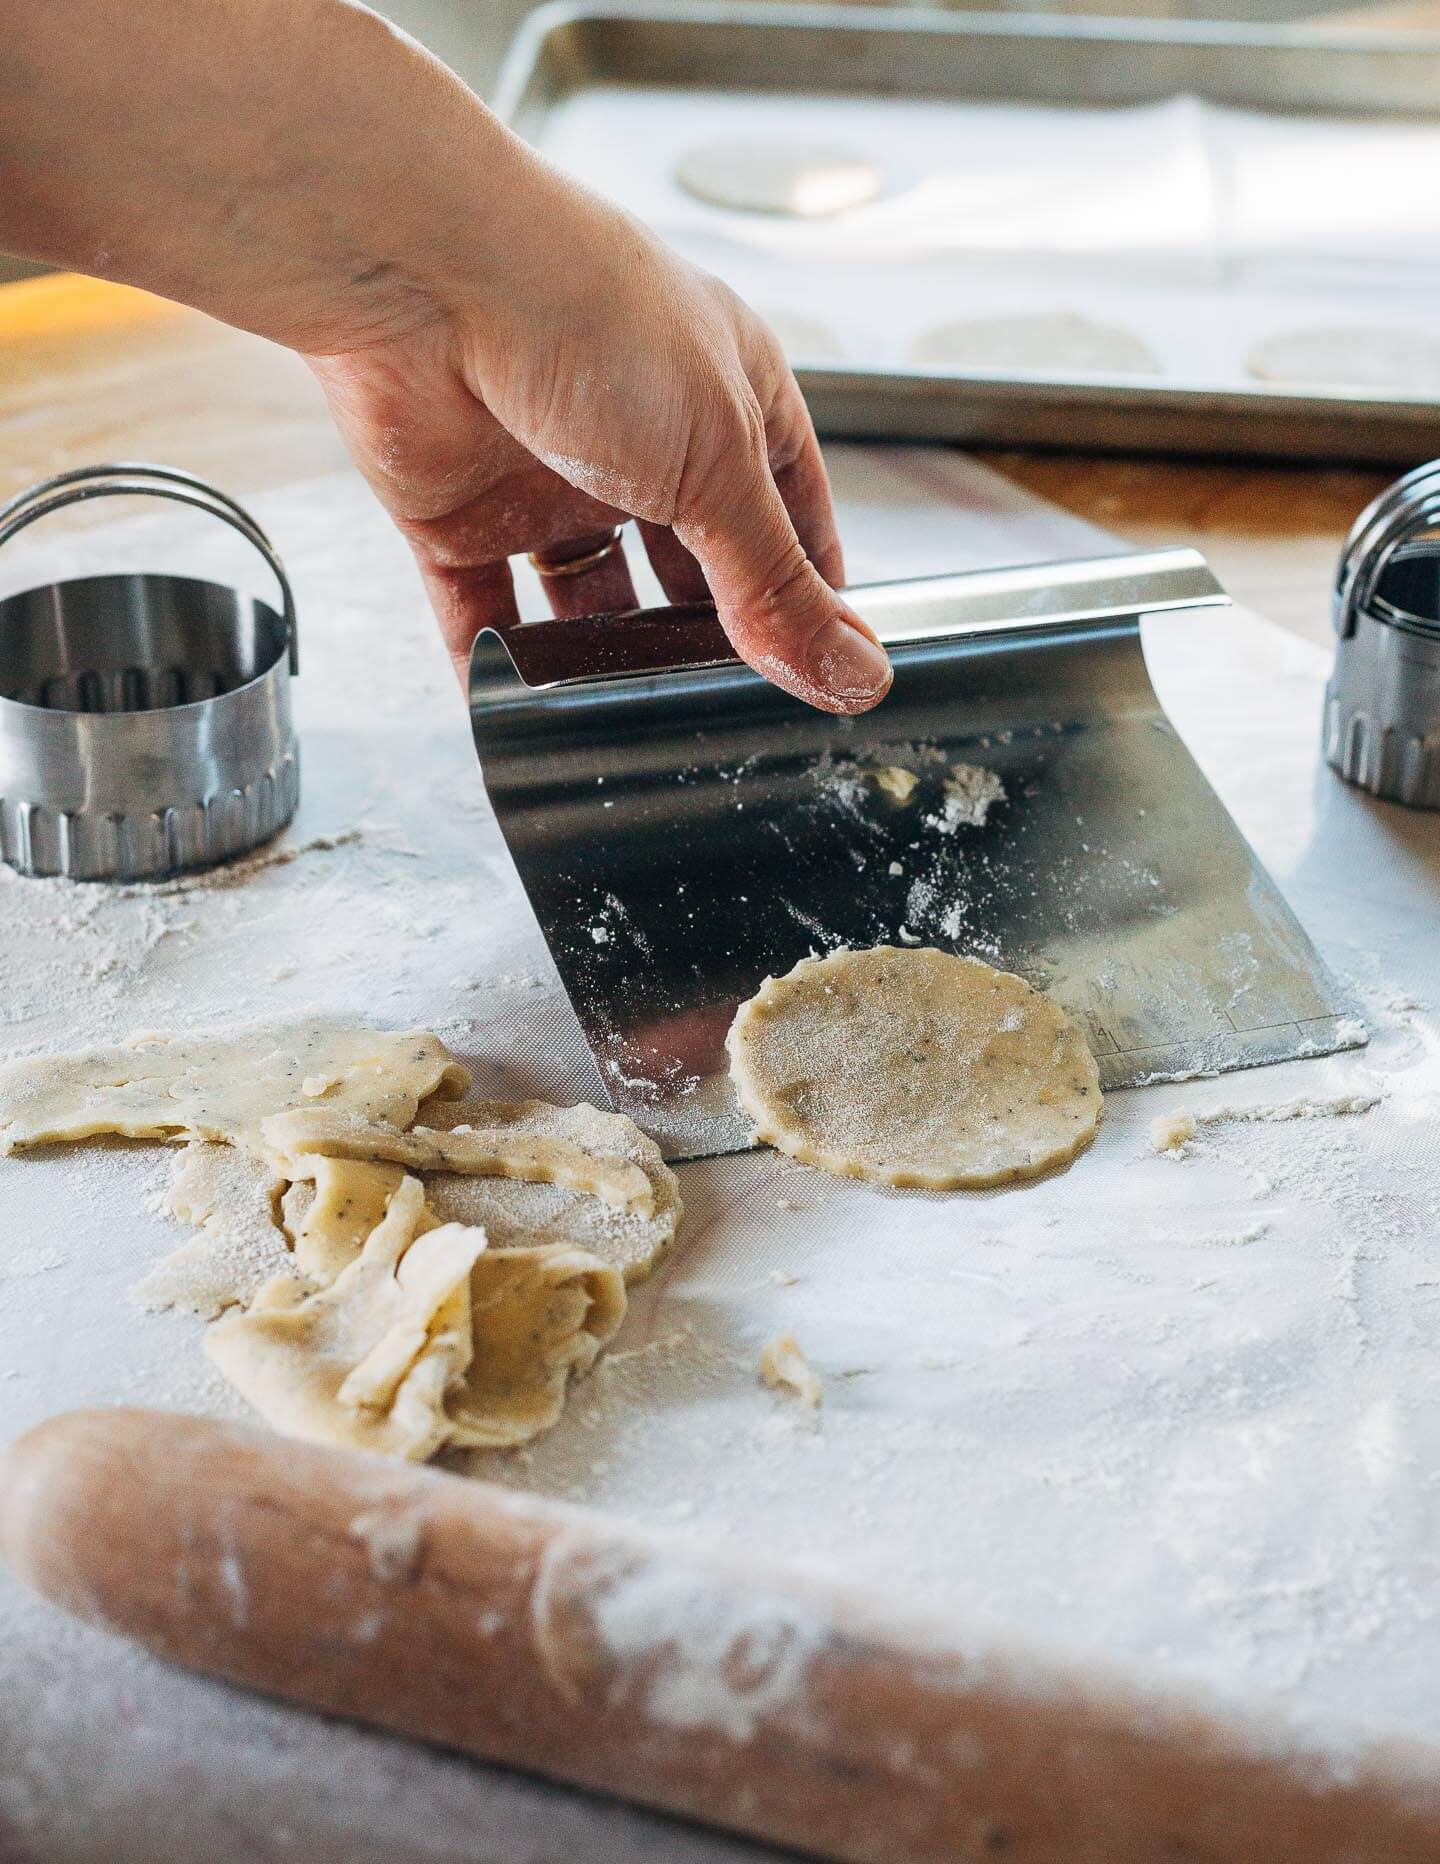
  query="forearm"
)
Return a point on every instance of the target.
[{"x": 292, "y": 166}]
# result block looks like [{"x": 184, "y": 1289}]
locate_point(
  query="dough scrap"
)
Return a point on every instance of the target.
[
  {"x": 1172, "y": 1132},
  {"x": 1042, "y": 341},
  {"x": 366, "y": 1362},
  {"x": 495, "y": 1152},
  {"x": 1379, "y": 357},
  {"x": 512, "y": 1214},
  {"x": 806, "y": 180},
  {"x": 221, "y": 1086},
  {"x": 784, "y": 1367},
  {"x": 424, "y": 1337},
  {"x": 539, "y": 1318},
  {"x": 914, "y": 1067},
  {"x": 346, "y": 1200},
  {"x": 229, "y": 1195},
  {"x": 896, "y": 781}
]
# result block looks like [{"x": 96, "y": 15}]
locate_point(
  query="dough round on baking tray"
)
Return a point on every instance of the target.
[
  {"x": 805, "y": 180},
  {"x": 1046, "y": 340},
  {"x": 914, "y": 1067},
  {"x": 804, "y": 339},
  {"x": 1351, "y": 358}
]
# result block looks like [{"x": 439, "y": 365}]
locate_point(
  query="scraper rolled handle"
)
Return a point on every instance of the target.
[{"x": 553, "y": 1639}]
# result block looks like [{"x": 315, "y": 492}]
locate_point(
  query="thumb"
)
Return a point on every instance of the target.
[{"x": 780, "y": 614}]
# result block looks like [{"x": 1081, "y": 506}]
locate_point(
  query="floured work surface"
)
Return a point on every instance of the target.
[{"x": 1180, "y": 1412}]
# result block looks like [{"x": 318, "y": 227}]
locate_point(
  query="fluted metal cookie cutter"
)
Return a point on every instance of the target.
[
  {"x": 145, "y": 724},
  {"x": 1382, "y": 707}
]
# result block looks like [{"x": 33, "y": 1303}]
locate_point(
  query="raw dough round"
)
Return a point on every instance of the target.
[
  {"x": 515, "y": 1215},
  {"x": 1050, "y": 340},
  {"x": 1338, "y": 358},
  {"x": 914, "y": 1067},
  {"x": 804, "y": 339},
  {"x": 806, "y": 180}
]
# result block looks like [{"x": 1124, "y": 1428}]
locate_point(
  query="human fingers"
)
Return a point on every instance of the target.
[
  {"x": 776, "y": 607},
  {"x": 679, "y": 575},
  {"x": 467, "y": 599},
  {"x": 804, "y": 485},
  {"x": 586, "y": 575}
]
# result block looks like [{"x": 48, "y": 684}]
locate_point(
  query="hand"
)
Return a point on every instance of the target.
[
  {"x": 607, "y": 380},
  {"x": 514, "y": 364}
]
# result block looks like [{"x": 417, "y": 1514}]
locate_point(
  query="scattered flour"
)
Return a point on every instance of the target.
[
  {"x": 227, "y": 1195},
  {"x": 1303, "y": 1107},
  {"x": 80, "y": 949},
  {"x": 393, "y": 1538},
  {"x": 29, "y": 1259},
  {"x": 971, "y": 792},
  {"x": 1136, "y": 1460}
]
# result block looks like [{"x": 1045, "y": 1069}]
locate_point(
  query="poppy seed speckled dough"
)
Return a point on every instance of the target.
[{"x": 914, "y": 1067}]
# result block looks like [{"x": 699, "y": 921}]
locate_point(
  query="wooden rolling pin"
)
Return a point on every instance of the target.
[{"x": 552, "y": 1639}]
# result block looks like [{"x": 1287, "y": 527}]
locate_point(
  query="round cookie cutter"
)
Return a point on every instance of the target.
[
  {"x": 1382, "y": 706},
  {"x": 145, "y": 725}
]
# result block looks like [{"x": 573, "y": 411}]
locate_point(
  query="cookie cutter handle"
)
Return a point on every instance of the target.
[
  {"x": 1386, "y": 525},
  {"x": 139, "y": 479}
]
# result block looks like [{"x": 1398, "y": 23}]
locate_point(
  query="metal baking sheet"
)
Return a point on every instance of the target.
[{"x": 805, "y": 53}]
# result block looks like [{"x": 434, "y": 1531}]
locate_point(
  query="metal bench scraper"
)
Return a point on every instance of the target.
[{"x": 684, "y": 829}]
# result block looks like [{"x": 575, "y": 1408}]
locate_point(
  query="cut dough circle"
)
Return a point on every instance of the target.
[
  {"x": 914, "y": 1067},
  {"x": 1034, "y": 341},
  {"x": 807, "y": 180},
  {"x": 1408, "y": 360}
]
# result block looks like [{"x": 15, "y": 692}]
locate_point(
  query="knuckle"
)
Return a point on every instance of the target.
[{"x": 727, "y": 449}]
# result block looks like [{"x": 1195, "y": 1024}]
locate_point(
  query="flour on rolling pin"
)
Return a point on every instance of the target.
[
  {"x": 559, "y": 1641},
  {"x": 393, "y": 1538},
  {"x": 617, "y": 1624}
]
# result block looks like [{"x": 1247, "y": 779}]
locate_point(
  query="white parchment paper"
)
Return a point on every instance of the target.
[{"x": 1201, "y": 230}]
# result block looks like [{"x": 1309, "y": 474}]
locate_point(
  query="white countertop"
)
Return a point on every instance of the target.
[{"x": 1184, "y": 1415}]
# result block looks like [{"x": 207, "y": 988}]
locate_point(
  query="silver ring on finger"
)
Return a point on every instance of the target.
[{"x": 576, "y": 566}]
